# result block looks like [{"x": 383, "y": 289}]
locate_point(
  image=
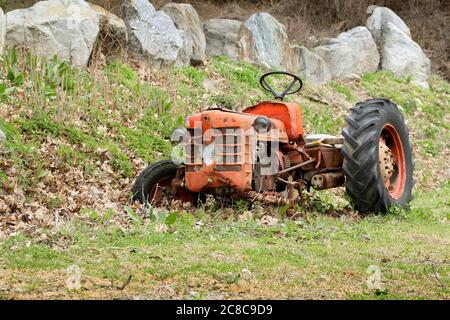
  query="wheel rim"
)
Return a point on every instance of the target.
[
  {"x": 392, "y": 161},
  {"x": 163, "y": 189}
]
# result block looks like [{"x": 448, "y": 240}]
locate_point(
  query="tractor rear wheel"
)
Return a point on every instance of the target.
[
  {"x": 153, "y": 185},
  {"x": 378, "y": 163}
]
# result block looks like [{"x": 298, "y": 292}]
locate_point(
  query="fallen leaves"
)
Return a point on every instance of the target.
[
  {"x": 268, "y": 221},
  {"x": 62, "y": 191}
]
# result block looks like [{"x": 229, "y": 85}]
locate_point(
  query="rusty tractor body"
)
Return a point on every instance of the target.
[{"x": 262, "y": 153}]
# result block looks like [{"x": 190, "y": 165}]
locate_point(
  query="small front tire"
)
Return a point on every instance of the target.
[
  {"x": 153, "y": 185},
  {"x": 152, "y": 180}
]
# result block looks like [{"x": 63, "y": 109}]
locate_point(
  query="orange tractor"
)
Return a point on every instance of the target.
[{"x": 263, "y": 154}]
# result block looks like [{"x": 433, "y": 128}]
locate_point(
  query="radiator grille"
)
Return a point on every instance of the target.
[
  {"x": 227, "y": 147},
  {"x": 194, "y": 148}
]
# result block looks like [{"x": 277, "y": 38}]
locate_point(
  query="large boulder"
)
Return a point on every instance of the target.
[
  {"x": 310, "y": 66},
  {"x": 186, "y": 19},
  {"x": 186, "y": 51},
  {"x": 151, "y": 34},
  {"x": 379, "y": 17},
  {"x": 246, "y": 45},
  {"x": 231, "y": 38},
  {"x": 113, "y": 36},
  {"x": 401, "y": 55},
  {"x": 67, "y": 29},
  {"x": 352, "y": 53},
  {"x": 271, "y": 40},
  {"x": 2, "y": 30},
  {"x": 221, "y": 37}
]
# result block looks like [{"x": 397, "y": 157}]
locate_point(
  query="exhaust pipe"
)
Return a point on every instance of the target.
[{"x": 327, "y": 180}]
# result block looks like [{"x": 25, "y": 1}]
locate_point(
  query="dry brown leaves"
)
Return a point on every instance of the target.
[{"x": 59, "y": 196}]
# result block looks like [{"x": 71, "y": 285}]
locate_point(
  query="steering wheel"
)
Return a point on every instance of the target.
[{"x": 287, "y": 91}]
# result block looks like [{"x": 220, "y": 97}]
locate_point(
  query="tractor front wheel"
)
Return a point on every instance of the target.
[
  {"x": 153, "y": 185},
  {"x": 378, "y": 163}
]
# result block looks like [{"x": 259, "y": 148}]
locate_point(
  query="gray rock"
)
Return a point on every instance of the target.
[
  {"x": 352, "y": 53},
  {"x": 140, "y": 9},
  {"x": 186, "y": 18},
  {"x": 309, "y": 65},
  {"x": 371, "y": 8},
  {"x": 246, "y": 50},
  {"x": 186, "y": 51},
  {"x": 380, "y": 16},
  {"x": 271, "y": 40},
  {"x": 113, "y": 32},
  {"x": 2, "y": 30},
  {"x": 151, "y": 34},
  {"x": 67, "y": 29},
  {"x": 401, "y": 55},
  {"x": 115, "y": 25},
  {"x": 231, "y": 38},
  {"x": 221, "y": 37}
]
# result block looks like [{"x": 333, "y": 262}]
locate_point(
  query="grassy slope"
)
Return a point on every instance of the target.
[{"x": 76, "y": 139}]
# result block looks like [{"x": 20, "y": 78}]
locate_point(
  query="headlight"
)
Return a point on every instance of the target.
[
  {"x": 262, "y": 124},
  {"x": 209, "y": 154},
  {"x": 180, "y": 135}
]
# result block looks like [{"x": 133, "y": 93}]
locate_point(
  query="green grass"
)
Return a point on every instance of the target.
[
  {"x": 345, "y": 91},
  {"x": 323, "y": 257},
  {"x": 117, "y": 71},
  {"x": 238, "y": 73},
  {"x": 138, "y": 117},
  {"x": 194, "y": 75},
  {"x": 433, "y": 103}
]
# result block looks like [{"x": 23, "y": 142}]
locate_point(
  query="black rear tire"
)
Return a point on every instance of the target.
[{"x": 364, "y": 182}]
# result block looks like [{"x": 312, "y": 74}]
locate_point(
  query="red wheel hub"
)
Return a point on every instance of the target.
[
  {"x": 392, "y": 161},
  {"x": 164, "y": 189}
]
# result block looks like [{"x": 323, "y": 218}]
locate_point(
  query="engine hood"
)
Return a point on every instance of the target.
[{"x": 224, "y": 118}]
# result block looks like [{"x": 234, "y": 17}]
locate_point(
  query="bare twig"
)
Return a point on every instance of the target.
[
  {"x": 318, "y": 100},
  {"x": 127, "y": 282},
  {"x": 435, "y": 273}
]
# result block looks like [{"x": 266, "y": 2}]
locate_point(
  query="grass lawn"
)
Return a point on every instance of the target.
[{"x": 201, "y": 257}]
